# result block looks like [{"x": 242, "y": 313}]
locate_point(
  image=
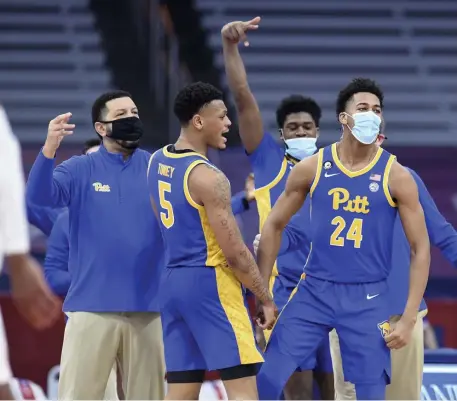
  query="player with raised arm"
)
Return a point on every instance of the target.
[
  {"x": 355, "y": 189},
  {"x": 206, "y": 324},
  {"x": 298, "y": 123}
]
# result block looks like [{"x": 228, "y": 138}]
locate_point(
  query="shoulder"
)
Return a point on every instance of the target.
[
  {"x": 401, "y": 181},
  {"x": 206, "y": 180}
]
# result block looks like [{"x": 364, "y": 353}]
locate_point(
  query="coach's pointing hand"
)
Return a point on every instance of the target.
[
  {"x": 236, "y": 32},
  {"x": 58, "y": 128}
]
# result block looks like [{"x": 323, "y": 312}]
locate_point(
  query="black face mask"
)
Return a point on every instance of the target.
[{"x": 126, "y": 129}]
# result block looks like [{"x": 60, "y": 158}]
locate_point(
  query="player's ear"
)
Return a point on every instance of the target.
[
  {"x": 197, "y": 122},
  {"x": 100, "y": 128},
  {"x": 343, "y": 118},
  {"x": 318, "y": 132}
]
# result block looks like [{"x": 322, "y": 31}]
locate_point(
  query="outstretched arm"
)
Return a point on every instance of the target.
[
  {"x": 249, "y": 118},
  {"x": 404, "y": 189},
  {"x": 211, "y": 188},
  {"x": 297, "y": 188}
]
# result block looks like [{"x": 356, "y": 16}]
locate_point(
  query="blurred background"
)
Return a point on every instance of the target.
[{"x": 57, "y": 56}]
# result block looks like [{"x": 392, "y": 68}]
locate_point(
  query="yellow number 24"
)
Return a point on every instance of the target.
[
  {"x": 167, "y": 216},
  {"x": 353, "y": 234}
]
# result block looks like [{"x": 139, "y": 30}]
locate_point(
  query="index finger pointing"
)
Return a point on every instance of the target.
[{"x": 253, "y": 21}]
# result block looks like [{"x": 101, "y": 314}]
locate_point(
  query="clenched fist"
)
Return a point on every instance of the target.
[{"x": 236, "y": 32}]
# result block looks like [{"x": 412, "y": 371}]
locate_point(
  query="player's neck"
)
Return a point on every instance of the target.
[
  {"x": 187, "y": 141},
  {"x": 352, "y": 152}
]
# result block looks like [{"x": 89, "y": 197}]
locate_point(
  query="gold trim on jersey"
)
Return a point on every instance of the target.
[
  {"x": 150, "y": 162},
  {"x": 353, "y": 174},
  {"x": 186, "y": 184},
  {"x": 317, "y": 177},
  {"x": 231, "y": 297},
  {"x": 214, "y": 255},
  {"x": 385, "y": 181},
  {"x": 180, "y": 155},
  {"x": 263, "y": 200}
]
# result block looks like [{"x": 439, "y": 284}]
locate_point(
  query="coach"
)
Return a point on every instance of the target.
[{"x": 116, "y": 254}]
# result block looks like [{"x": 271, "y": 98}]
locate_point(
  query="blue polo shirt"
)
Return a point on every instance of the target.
[{"x": 116, "y": 253}]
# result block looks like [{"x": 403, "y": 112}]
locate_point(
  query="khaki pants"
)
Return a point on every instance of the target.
[
  {"x": 93, "y": 341},
  {"x": 407, "y": 367},
  {"x": 111, "y": 386}
]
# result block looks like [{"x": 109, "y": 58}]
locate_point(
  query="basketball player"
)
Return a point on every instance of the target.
[
  {"x": 206, "y": 324},
  {"x": 355, "y": 189},
  {"x": 407, "y": 362},
  {"x": 298, "y": 123},
  {"x": 32, "y": 296}
]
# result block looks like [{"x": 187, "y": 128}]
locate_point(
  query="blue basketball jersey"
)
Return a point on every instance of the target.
[
  {"x": 183, "y": 222},
  {"x": 271, "y": 169},
  {"x": 352, "y": 220}
]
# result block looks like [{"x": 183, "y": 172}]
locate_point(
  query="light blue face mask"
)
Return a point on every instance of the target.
[
  {"x": 366, "y": 127},
  {"x": 300, "y": 148}
]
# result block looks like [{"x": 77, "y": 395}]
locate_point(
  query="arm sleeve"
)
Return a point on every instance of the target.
[
  {"x": 13, "y": 216},
  {"x": 441, "y": 232},
  {"x": 239, "y": 203},
  {"x": 51, "y": 187},
  {"x": 43, "y": 217},
  {"x": 56, "y": 261}
]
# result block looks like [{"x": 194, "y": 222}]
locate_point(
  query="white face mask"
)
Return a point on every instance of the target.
[
  {"x": 300, "y": 148},
  {"x": 366, "y": 126}
]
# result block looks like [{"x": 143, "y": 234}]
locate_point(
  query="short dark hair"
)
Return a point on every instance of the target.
[
  {"x": 99, "y": 106},
  {"x": 192, "y": 98},
  {"x": 358, "y": 85},
  {"x": 90, "y": 143},
  {"x": 297, "y": 104}
]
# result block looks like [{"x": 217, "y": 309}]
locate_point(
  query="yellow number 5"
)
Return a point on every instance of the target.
[
  {"x": 167, "y": 217},
  {"x": 354, "y": 233}
]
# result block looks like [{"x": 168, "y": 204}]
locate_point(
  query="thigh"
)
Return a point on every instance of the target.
[
  {"x": 220, "y": 311},
  {"x": 361, "y": 327},
  {"x": 181, "y": 351},
  {"x": 91, "y": 342},
  {"x": 344, "y": 390},
  {"x": 407, "y": 366},
  {"x": 142, "y": 356},
  {"x": 5, "y": 370},
  {"x": 300, "y": 328}
]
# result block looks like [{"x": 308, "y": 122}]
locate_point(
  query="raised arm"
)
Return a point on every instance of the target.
[
  {"x": 297, "y": 188},
  {"x": 46, "y": 186},
  {"x": 249, "y": 118},
  {"x": 404, "y": 190},
  {"x": 210, "y": 187}
]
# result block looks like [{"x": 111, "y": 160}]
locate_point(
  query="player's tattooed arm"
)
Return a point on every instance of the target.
[
  {"x": 249, "y": 118},
  {"x": 211, "y": 188},
  {"x": 403, "y": 189},
  {"x": 297, "y": 188}
]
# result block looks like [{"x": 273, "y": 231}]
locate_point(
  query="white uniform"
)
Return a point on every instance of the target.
[{"x": 14, "y": 236}]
